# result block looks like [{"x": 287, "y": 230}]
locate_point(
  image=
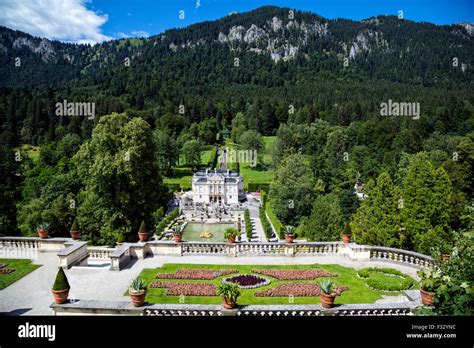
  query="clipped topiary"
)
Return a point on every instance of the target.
[
  {"x": 75, "y": 226},
  {"x": 120, "y": 238},
  {"x": 347, "y": 229},
  {"x": 142, "y": 228},
  {"x": 61, "y": 282}
]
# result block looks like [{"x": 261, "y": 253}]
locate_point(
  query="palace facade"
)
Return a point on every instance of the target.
[{"x": 217, "y": 186}]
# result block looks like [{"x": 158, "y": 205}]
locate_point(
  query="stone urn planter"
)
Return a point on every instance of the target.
[
  {"x": 427, "y": 297},
  {"x": 142, "y": 232},
  {"x": 138, "y": 298},
  {"x": 231, "y": 239},
  {"x": 346, "y": 238},
  {"x": 346, "y": 233},
  {"x": 43, "y": 230},
  {"x": 142, "y": 236},
  {"x": 43, "y": 234},
  {"x": 327, "y": 293},
  {"x": 231, "y": 234},
  {"x": 61, "y": 287},
  {"x": 229, "y": 293},
  {"x": 177, "y": 238},
  {"x": 137, "y": 292},
  {"x": 229, "y": 303},
  {"x": 75, "y": 233},
  {"x": 60, "y": 296},
  {"x": 289, "y": 238},
  {"x": 327, "y": 301}
]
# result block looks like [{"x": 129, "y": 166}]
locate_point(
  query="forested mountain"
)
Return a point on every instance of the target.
[
  {"x": 273, "y": 55},
  {"x": 316, "y": 84}
]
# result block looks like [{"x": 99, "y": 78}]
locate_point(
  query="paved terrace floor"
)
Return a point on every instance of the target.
[{"x": 31, "y": 295}]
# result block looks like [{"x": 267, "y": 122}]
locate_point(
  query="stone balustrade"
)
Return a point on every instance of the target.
[
  {"x": 195, "y": 248},
  {"x": 100, "y": 253},
  {"x": 73, "y": 252},
  {"x": 401, "y": 256},
  {"x": 100, "y": 307}
]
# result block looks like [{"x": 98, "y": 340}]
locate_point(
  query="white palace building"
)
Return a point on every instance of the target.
[{"x": 217, "y": 186}]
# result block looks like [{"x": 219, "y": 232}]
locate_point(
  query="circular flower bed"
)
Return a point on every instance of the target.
[{"x": 247, "y": 281}]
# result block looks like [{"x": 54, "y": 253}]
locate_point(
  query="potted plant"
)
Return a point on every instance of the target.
[
  {"x": 346, "y": 233},
  {"x": 445, "y": 252},
  {"x": 43, "y": 230},
  {"x": 75, "y": 232},
  {"x": 231, "y": 234},
  {"x": 177, "y": 234},
  {"x": 289, "y": 234},
  {"x": 61, "y": 287},
  {"x": 229, "y": 293},
  {"x": 430, "y": 281},
  {"x": 120, "y": 239},
  {"x": 137, "y": 291},
  {"x": 142, "y": 232},
  {"x": 327, "y": 294}
]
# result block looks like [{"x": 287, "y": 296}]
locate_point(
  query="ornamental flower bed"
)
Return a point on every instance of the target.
[
  {"x": 247, "y": 281},
  {"x": 186, "y": 289},
  {"x": 294, "y": 274},
  {"x": 2, "y": 265},
  {"x": 6, "y": 271},
  {"x": 297, "y": 290},
  {"x": 194, "y": 273}
]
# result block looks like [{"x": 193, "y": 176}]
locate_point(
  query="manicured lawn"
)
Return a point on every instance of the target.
[
  {"x": 21, "y": 267},
  {"x": 262, "y": 173},
  {"x": 358, "y": 291}
]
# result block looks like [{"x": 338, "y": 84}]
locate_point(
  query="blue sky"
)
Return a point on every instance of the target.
[
  {"x": 91, "y": 21},
  {"x": 155, "y": 17}
]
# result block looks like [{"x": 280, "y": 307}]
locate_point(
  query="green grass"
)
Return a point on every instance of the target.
[
  {"x": 358, "y": 291},
  {"x": 22, "y": 268},
  {"x": 262, "y": 173}
]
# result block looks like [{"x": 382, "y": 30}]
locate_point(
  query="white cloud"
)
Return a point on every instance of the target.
[
  {"x": 121, "y": 35},
  {"x": 140, "y": 33},
  {"x": 65, "y": 20}
]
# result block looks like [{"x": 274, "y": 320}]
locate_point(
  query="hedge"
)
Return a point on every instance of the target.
[
  {"x": 255, "y": 186},
  {"x": 248, "y": 224},
  {"x": 267, "y": 227},
  {"x": 167, "y": 220}
]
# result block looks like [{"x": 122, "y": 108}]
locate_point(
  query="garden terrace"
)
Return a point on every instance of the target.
[{"x": 352, "y": 288}]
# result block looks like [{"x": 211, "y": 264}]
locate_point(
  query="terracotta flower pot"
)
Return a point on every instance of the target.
[
  {"x": 427, "y": 297},
  {"x": 346, "y": 238},
  {"x": 43, "y": 234},
  {"x": 60, "y": 296},
  {"x": 231, "y": 239},
  {"x": 228, "y": 303},
  {"x": 289, "y": 238},
  {"x": 177, "y": 238},
  {"x": 327, "y": 301},
  {"x": 143, "y": 236},
  {"x": 138, "y": 298},
  {"x": 75, "y": 234}
]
